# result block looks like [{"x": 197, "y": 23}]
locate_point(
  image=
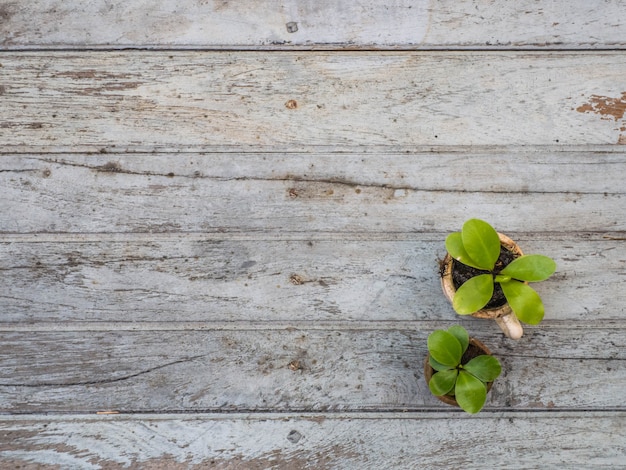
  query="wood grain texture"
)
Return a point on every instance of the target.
[
  {"x": 351, "y": 101},
  {"x": 195, "y": 279},
  {"x": 323, "y": 23},
  {"x": 222, "y": 220},
  {"x": 295, "y": 369},
  {"x": 279, "y": 193},
  {"x": 316, "y": 441}
]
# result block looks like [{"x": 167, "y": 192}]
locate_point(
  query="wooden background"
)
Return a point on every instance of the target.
[{"x": 220, "y": 225}]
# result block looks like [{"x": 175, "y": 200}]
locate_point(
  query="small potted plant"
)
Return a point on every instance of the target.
[
  {"x": 460, "y": 370},
  {"x": 485, "y": 274}
]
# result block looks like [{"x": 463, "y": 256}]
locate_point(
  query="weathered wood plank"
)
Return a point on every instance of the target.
[
  {"x": 320, "y": 441},
  {"x": 195, "y": 279},
  {"x": 514, "y": 170},
  {"x": 274, "y": 23},
  {"x": 194, "y": 319},
  {"x": 296, "y": 369},
  {"x": 62, "y": 101},
  {"x": 311, "y": 193}
]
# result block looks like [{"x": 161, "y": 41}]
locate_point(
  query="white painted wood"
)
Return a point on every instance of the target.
[
  {"x": 297, "y": 369},
  {"x": 320, "y": 441},
  {"x": 292, "y": 268},
  {"x": 352, "y": 101},
  {"x": 308, "y": 193},
  {"x": 323, "y": 23},
  {"x": 518, "y": 170},
  {"x": 191, "y": 279}
]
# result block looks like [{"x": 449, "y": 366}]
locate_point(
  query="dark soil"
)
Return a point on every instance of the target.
[
  {"x": 462, "y": 273},
  {"x": 471, "y": 352}
]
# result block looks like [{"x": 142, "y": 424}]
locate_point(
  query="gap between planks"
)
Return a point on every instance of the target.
[
  {"x": 314, "y": 150},
  {"x": 314, "y": 416},
  {"x": 302, "y": 325},
  {"x": 316, "y": 48},
  {"x": 137, "y": 237}
]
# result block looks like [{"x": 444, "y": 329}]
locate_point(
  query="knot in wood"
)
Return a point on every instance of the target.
[{"x": 296, "y": 280}]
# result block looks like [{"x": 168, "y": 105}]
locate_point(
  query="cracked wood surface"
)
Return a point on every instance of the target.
[
  {"x": 317, "y": 441},
  {"x": 278, "y": 193},
  {"x": 345, "y": 101},
  {"x": 227, "y": 257},
  {"x": 297, "y": 369},
  {"x": 350, "y": 279},
  {"x": 323, "y": 23}
]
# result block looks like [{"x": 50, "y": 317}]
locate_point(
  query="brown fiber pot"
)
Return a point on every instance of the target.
[
  {"x": 504, "y": 316},
  {"x": 429, "y": 371}
]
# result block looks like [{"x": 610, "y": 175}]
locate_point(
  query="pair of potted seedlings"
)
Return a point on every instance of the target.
[{"x": 484, "y": 274}]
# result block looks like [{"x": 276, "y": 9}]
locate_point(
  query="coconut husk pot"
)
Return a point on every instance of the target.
[
  {"x": 479, "y": 349},
  {"x": 504, "y": 316}
]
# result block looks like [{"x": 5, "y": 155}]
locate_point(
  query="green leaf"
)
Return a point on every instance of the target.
[
  {"x": 530, "y": 268},
  {"x": 524, "y": 301},
  {"x": 500, "y": 278},
  {"x": 460, "y": 333},
  {"x": 443, "y": 382},
  {"x": 436, "y": 365},
  {"x": 470, "y": 393},
  {"x": 485, "y": 368},
  {"x": 444, "y": 348},
  {"x": 454, "y": 246},
  {"x": 473, "y": 294},
  {"x": 481, "y": 242}
]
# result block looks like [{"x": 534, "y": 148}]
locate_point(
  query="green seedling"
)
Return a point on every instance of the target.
[
  {"x": 478, "y": 246},
  {"x": 467, "y": 383}
]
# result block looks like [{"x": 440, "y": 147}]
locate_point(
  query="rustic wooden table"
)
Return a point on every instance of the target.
[{"x": 220, "y": 223}]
